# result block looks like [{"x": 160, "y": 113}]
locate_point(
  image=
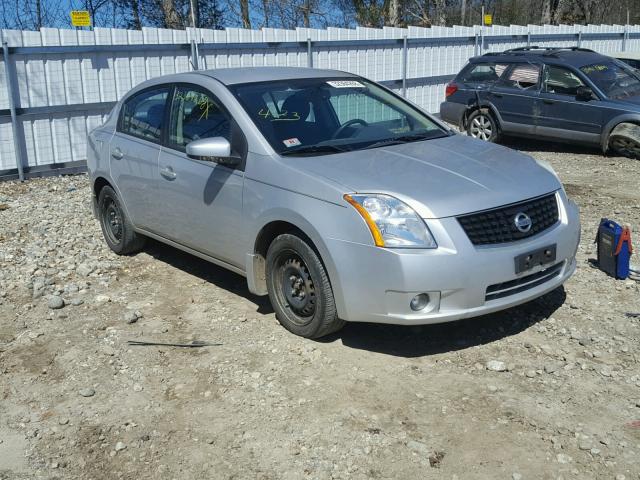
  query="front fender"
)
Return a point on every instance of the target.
[
  {"x": 299, "y": 221},
  {"x": 320, "y": 220}
]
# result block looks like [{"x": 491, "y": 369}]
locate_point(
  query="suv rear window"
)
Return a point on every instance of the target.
[{"x": 483, "y": 73}]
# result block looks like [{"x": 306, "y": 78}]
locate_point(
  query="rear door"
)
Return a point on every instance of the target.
[
  {"x": 200, "y": 202},
  {"x": 562, "y": 115},
  {"x": 134, "y": 151},
  {"x": 514, "y": 97}
]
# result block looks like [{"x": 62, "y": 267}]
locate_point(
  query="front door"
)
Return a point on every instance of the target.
[
  {"x": 134, "y": 151},
  {"x": 562, "y": 115},
  {"x": 514, "y": 97},
  {"x": 200, "y": 202}
]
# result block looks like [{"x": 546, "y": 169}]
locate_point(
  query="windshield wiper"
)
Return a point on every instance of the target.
[
  {"x": 399, "y": 140},
  {"x": 314, "y": 149}
]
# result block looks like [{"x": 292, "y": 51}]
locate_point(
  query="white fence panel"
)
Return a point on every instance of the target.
[{"x": 60, "y": 95}]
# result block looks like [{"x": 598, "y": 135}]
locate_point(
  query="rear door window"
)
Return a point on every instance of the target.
[
  {"x": 561, "y": 81},
  {"x": 483, "y": 73},
  {"x": 143, "y": 114},
  {"x": 522, "y": 76}
]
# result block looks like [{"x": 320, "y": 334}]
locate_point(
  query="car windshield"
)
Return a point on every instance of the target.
[
  {"x": 614, "y": 80},
  {"x": 316, "y": 116}
]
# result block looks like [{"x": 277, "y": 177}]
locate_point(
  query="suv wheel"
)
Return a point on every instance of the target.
[
  {"x": 116, "y": 227},
  {"x": 299, "y": 288},
  {"x": 625, "y": 140},
  {"x": 482, "y": 125}
]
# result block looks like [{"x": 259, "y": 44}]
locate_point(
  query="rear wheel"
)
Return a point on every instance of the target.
[
  {"x": 116, "y": 227},
  {"x": 482, "y": 125},
  {"x": 299, "y": 288},
  {"x": 625, "y": 140}
]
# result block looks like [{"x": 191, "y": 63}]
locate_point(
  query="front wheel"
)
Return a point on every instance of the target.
[
  {"x": 299, "y": 288},
  {"x": 625, "y": 140},
  {"x": 482, "y": 125}
]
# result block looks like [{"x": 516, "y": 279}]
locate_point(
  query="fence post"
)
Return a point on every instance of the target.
[
  {"x": 194, "y": 55},
  {"x": 309, "y": 53},
  {"x": 12, "y": 108},
  {"x": 475, "y": 45},
  {"x": 405, "y": 59},
  {"x": 528, "y": 39},
  {"x": 624, "y": 39},
  {"x": 580, "y": 39}
]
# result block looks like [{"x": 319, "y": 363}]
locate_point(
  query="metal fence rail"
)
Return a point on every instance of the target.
[{"x": 56, "y": 85}]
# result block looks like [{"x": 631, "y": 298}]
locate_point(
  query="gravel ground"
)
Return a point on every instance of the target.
[{"x": 549, "y": 390}]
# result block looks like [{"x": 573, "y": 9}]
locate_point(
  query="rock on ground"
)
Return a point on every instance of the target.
[{"x": 371, "y": 402}]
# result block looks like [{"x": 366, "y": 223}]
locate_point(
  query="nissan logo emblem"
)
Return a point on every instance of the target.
[{"x": 522, "y": 222}]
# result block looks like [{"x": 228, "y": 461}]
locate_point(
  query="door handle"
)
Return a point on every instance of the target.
[
  {"x": 498, "y": 95},
  {"x": 547, "y": 101},
  {"x": 117, "y": 153},
  {"x": 168, "y": 173}
]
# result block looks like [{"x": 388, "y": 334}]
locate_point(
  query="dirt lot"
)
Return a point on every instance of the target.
[{"x": 370, "y": 402}]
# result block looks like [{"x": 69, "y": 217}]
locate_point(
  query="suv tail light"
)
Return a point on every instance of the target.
[{"x": 451, "y": 89}]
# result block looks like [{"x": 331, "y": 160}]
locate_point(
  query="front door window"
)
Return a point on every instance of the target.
[{"x": 196, "y": 114}]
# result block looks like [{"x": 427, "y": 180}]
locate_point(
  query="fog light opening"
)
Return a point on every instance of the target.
[{"x": 419, "y": 302}]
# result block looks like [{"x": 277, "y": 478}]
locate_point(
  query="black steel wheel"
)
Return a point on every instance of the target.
[
  {"x": 299, "y": 288},
  {"x": 116, "y": 227}
]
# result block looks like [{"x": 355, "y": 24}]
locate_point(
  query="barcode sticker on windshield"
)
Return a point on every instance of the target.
[
  {"x": 291, "y": 142},
  {"x": 345, "y": 84}
]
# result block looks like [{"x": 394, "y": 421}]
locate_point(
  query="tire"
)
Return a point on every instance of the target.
[
  {"x": 624, "y": 139},
  {"x": 117, "y": 230},
  {"x": 482, "y": 125},
  {"x": 299, "y": 288}
]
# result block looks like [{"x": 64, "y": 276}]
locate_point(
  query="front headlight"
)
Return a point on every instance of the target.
[{"x": 393, "y": 223}]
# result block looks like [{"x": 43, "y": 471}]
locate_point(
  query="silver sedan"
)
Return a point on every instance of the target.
[{"x": 336, "y": 197}]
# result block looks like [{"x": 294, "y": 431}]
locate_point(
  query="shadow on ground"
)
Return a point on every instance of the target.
[
  {"x": 402, "y": 341},
  {"x": 539, "y": 145},
  {"x": 218, "y": 276},
  {"x": 424, "y": 340}
]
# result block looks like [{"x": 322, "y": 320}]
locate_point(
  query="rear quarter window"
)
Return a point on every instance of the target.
[{"x": 483, "y": 72}]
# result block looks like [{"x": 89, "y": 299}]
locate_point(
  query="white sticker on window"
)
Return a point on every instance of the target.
[
  {"x": 345, "y": 84},
  {"x": 291, "y": 142}
]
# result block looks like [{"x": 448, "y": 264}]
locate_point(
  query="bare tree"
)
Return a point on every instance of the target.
[
  {"x": 31, "y": 15},
  {"x": 244, "y": 11},
  {"x": 394, "y": 13}
]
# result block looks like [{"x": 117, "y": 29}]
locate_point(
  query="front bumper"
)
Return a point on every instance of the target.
[{"x": 377, "y": 284}]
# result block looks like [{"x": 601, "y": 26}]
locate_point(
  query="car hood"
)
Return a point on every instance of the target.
[{"x": 438, "y": 178}]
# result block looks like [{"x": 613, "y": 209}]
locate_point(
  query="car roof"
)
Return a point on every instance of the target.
[
  {"x": 573, "y": 56},
  {"x": 231, "y": 76}
]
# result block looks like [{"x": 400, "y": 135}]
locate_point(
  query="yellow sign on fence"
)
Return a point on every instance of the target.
[
  {"x": 80, "y": 18},
  {"x": 488, "y": 19}
]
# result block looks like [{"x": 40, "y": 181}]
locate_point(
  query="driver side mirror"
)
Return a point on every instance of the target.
[
  {"x": 584, "y": 94},
  {"x": 215, "y": 149}
]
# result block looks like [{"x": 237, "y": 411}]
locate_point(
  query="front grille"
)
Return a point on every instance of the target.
[
  {"x": 504, "y": 289},
  {"x": 498, "y": 225}
]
